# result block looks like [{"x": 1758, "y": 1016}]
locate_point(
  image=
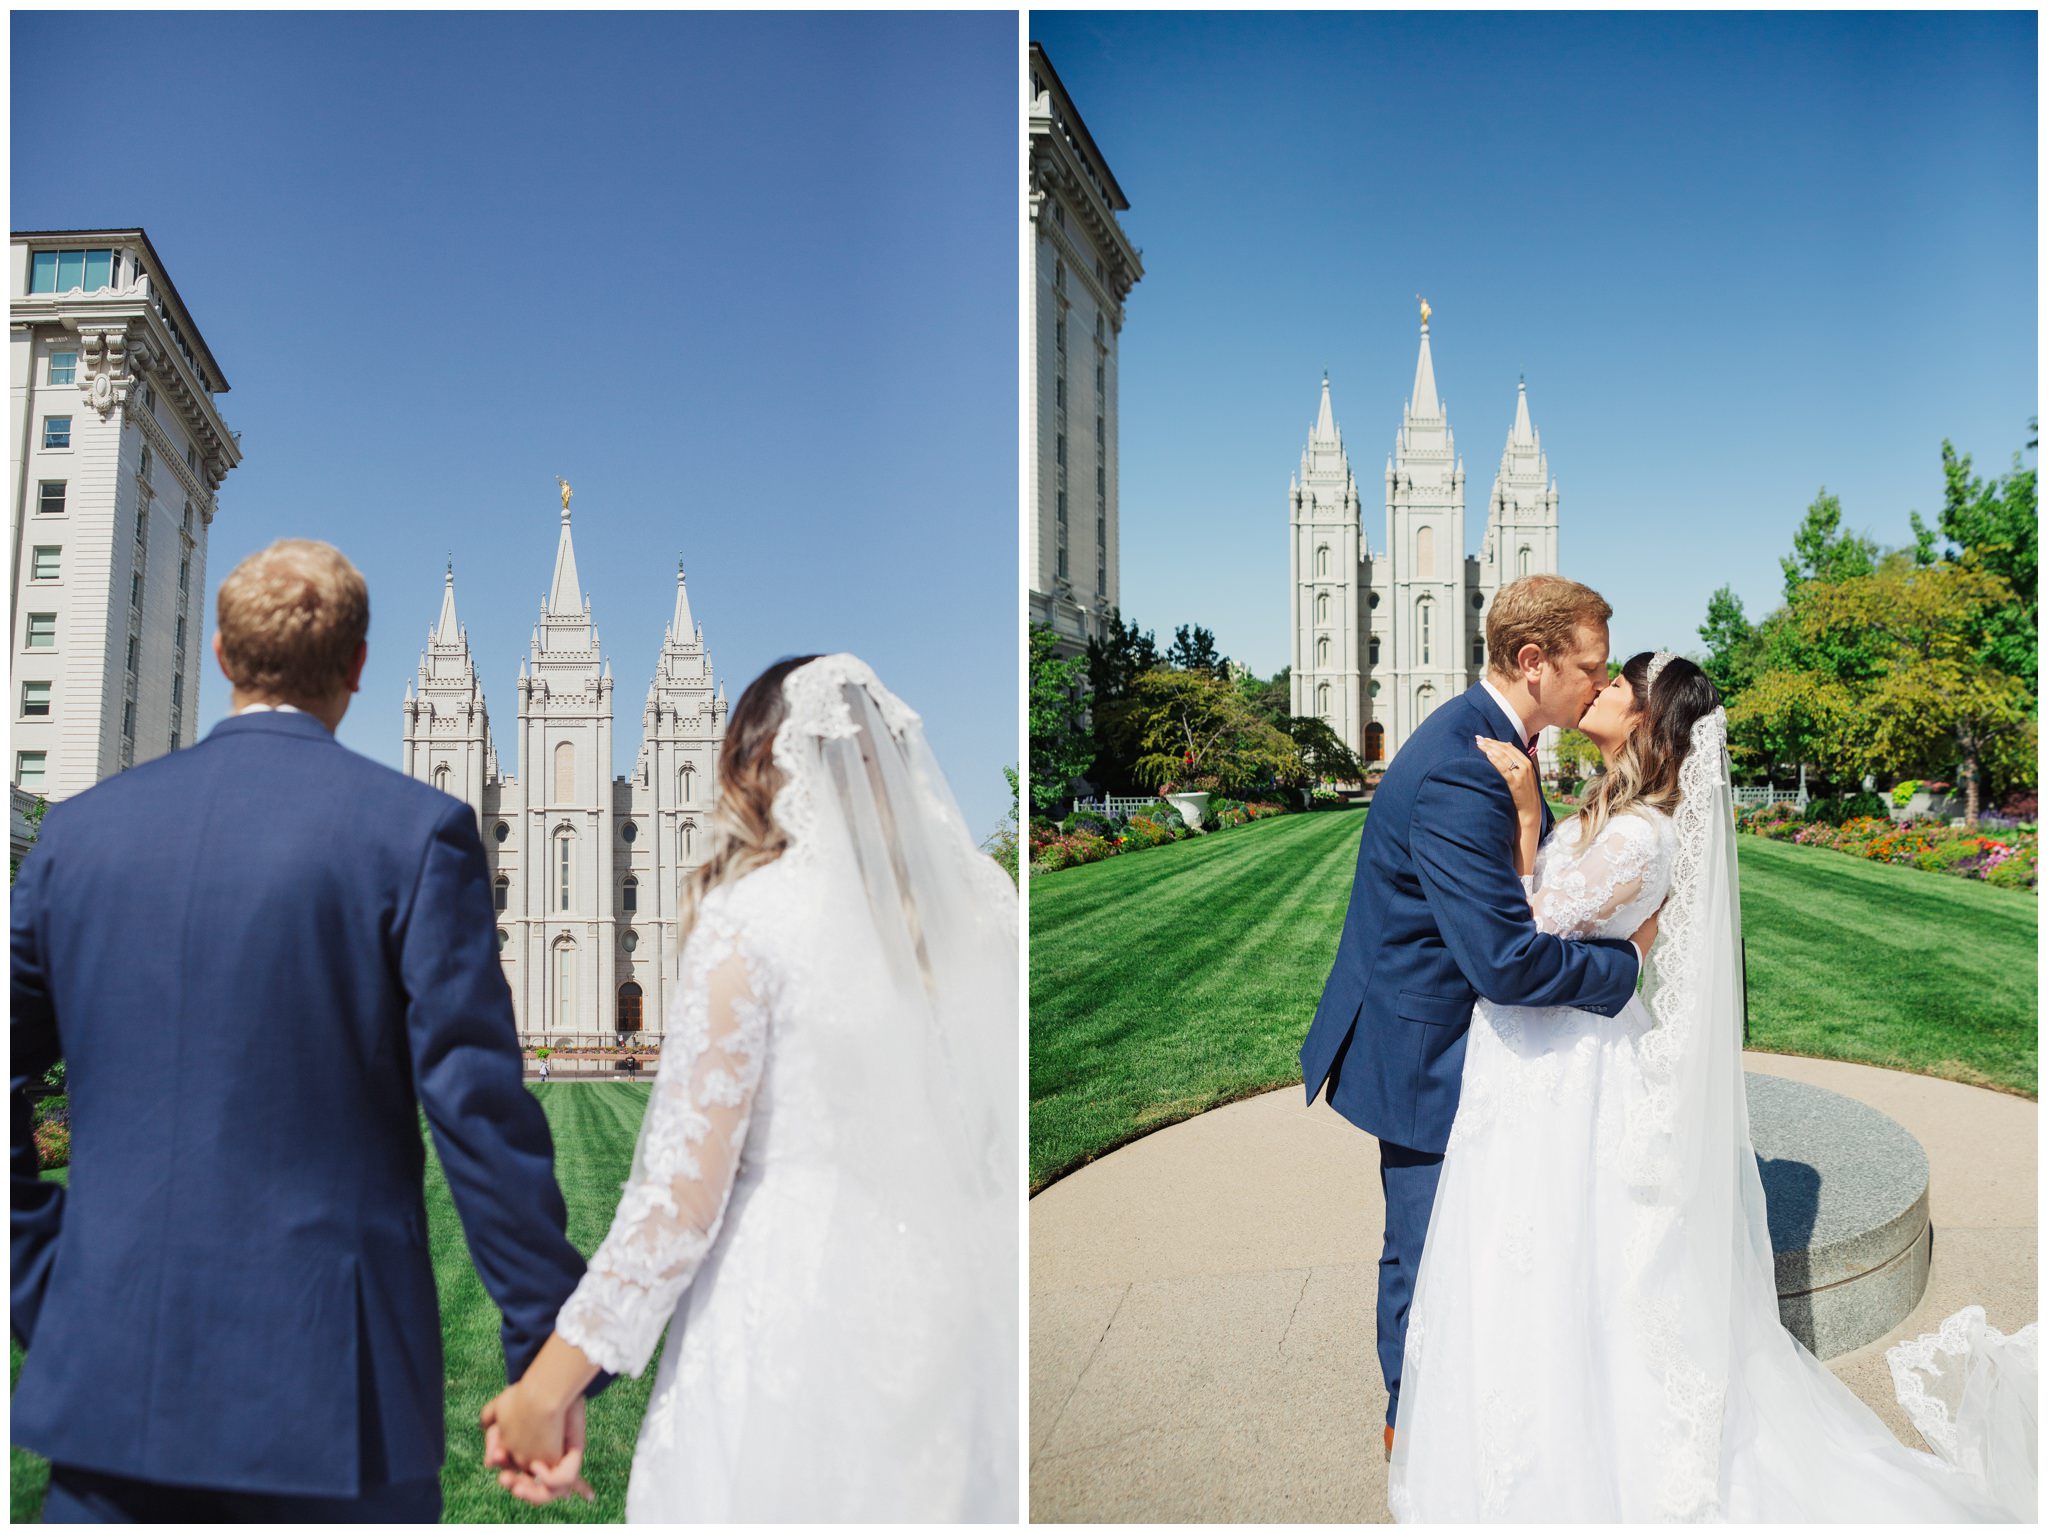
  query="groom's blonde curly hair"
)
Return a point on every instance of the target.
[{"x": 291, "y": 618}]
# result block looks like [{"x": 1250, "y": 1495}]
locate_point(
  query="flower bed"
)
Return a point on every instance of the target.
[
  {"x": 2007, "y": 858},
  {"x": 52, "y": 1132},
  {"x": 1089, "y": 836}
]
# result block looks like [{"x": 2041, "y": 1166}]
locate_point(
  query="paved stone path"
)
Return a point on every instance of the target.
[{"x": 1202, "y": 1301}]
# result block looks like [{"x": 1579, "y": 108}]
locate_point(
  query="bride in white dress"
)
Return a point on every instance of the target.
[
  {"x": 1594, "y": 1334},
  {"x": 823, "y": 1204}
]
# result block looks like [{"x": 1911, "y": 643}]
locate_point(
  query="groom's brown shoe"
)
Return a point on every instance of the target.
[{"x": 1390, "y": 1441}]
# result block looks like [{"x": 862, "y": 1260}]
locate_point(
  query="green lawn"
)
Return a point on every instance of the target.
[
  {"x": 1170, "y": 981},
  {"x": 594, "y": 1127}
]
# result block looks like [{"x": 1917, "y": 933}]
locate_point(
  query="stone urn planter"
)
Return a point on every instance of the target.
[{"x": 1193, "y": 808}]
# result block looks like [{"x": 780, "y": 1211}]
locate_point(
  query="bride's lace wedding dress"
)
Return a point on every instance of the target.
[
  {"x": 822, "y": 1208},
  {"x": 1594, "y": 1333}
]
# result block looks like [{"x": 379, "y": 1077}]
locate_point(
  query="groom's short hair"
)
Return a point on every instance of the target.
[
  {"x": 1543, "y": 610},
  {"x": 291, "y": 619}
]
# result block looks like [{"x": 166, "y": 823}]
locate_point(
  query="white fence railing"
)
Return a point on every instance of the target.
[
  {"x": 1747, "y": 798},
  {"x": 1112, "y": 805}
]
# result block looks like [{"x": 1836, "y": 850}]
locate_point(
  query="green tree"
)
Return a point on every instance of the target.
[
  {"x": 1577, "y": 756},
  {"x": 1193, "y": 726},
  {"x": 1731, "y": 644},
  {"x": 1996, "y": 523},
  {"x": 1821, "y": 551},
  {"x": 1061, "y": 749},
  {"x": 1322, "y": 756},
  {"x": 1272, "y": 699},
  {"x": 34, "y": 816},
  {"x": 1194, "y": 649},
  {"x": 1116, "y": 660},
  {"x": 1002, "y": 842},
  {"x": 1920, "y": 698}
]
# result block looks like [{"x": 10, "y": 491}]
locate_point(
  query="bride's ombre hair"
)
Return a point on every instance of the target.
[
  {"x": 1645, "y": 770},
  {"x": 744, "y": 835}
]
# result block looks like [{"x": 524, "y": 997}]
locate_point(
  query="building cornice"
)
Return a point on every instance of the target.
[{"x": 1057, "y": 173}]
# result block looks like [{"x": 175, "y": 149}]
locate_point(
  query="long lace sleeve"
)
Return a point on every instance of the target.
[
  {"x": 1576, "y": 894},
  {"x": 687, "y": 1158}
]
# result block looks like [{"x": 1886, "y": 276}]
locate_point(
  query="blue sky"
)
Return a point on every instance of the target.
[
  {"x": 1739, "y": 257},
  {"x": 748, "y": 282}
]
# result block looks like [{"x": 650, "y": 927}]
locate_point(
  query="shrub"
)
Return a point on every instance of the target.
[
  {"x": 2022, "y": 804},
  {"x": 1826, "y": 812},
  {"x": 1083, "y": 847},
  {"x": 1093, "y": 821},
  {"x": 1864, "y": 806},
  {"x": 1903, "y": 792},
  {"x": 52, "y": 1133},
  {"x": 1325, "y": 799},
  {"x": 2017, "y": 872},
  {"x": 542, "y": 1052},
  {"x": 1054, "y": 857}
]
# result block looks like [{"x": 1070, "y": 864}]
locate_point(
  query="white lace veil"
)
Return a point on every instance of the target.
[
  {"x": 916, "y": 954},
  {"x": 1700, "y": 1249}
]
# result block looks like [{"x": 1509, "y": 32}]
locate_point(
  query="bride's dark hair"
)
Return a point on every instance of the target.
[
  {"x": 1645, "y": 769},
  {"x": 744, "y": 835}
]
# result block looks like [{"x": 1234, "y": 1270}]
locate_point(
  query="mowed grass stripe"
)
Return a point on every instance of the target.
[
  {"x": 1157, "y": 992},
  {"x": 1173, "y": 980}
]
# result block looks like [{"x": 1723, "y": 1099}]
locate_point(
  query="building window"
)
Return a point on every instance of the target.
[
  {"x": 44, "y": 562},
  {"x": 1375, "y": 690},
  {"x": 128, "y": 720},
  {"x": 1372, "y": 651},
  {"x": 56, "y": 431},
  {"x": 135, "y": 589},
  {"x": 1425, "y": 700},
  {"x": 689, "y": 838},
  {"x": 565, "y": 987},
  {"x": 192, "y": 458},
  {"x": 1478, "y": 652},
  {"x": 1373, "y": 599},
  {"x": 1422, "y": 616},
  {"x": 1059, "y": 331},
  {"x": 564, "y": 842},
  {"x": 180, "y": 642},
  {"x": 1323, "y": 699},
  {"x": 63, "y": 367},
  {"x": 629, "y": 894},
  {"x": 441, "y": 777},
  {"x": 35, "y": 700},
  {"x": 134, "y": 653},
  {"x": 1522, "y": 561},
  {"x": 148, "y": 464},
  {"x": 177, "y": 690},
  {"x": 1322, "y": 607},
  {"x": 689, "y": 785},
  {"x": 630, "y": 832},
  {"x": 185, "y": 574},
  {"x": 630, "y": 941},
  {"x": 50, "y": 497},
  {"x": 1425, "y": 553},
  {"x": 1322, "y": 560},
  {"x": 42, "y": 631},
  {"x": 504, "y": 938},
  {"x": 1478, "y": 601},
  {"x": 1322, "y": 653},
  {"x": 501, "y": 831},
  {"x": 565, "y": 773},
  {"x": 28, "y": 768},
  {"x": 629, "y": 1008},
  {"x": 1375, "y": 742},
  {"x": 501, "y": 894},
  {"x": 1059, "y": 275},
  {"x": 188, "y": 513},
  {"x": 60, "y": 271}
]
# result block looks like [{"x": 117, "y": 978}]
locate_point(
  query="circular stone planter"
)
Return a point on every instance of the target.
[
  {"x": 1846, "y": 1191},
  {"x": 1194, "y": 808}
]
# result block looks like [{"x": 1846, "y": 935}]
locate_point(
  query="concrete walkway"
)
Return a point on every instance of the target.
[{"x": 1202, "y": 1301}]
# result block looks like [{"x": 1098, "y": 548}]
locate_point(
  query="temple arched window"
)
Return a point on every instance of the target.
[
  {"x": 1422, "y": 629},
  {"x": 1522, "y": 560},
  {"x": 501, "y": 894},
  {"x": 1322, "y": 607},
  {"x": 629, "y": 894},
  {"x": 565, "y": 865},
  {"x": 1322, "y": 653},
  {"x": 1425, "y": 553},
  {"x": 1322, "y": 560},
  {"x": 565, "y": 773},
  {"x": 1323, "y": 699}
]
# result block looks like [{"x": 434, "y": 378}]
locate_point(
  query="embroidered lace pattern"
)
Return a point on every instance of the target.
[{"x": 689, "y": 1153}]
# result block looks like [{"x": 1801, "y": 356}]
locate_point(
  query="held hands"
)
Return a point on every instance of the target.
[
  {"x": 1520, "y": 773},
  {"x": 536, "y": 1450}
]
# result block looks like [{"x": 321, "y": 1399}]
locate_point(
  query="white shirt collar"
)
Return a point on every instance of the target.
[
  {"x": 268, "y": 708},
  {"x": 1515, "y": 719}
]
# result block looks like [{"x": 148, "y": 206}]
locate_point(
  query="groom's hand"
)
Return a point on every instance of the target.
[{"x": 538, "y": 1453}]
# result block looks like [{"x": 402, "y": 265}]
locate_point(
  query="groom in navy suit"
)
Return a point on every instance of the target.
[
  {"x": 1439, "y": 919},
  {"x": 260, "y": 958}
]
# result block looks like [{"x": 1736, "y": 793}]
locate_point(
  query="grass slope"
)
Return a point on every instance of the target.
[
  {"x": 1174, "y": 980},
  {"x": 594, "y": 1127}
]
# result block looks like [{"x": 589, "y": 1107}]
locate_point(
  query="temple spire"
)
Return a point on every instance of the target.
[
  {"x": 681, "y": 625},
  {"x": 1523, "y": 435},
  {"x": 1326, "y": 420},
  {"x": 447, "y": 631},
  {"x": 565, "y": 593},
  {"x": 1422, "y": 399}
]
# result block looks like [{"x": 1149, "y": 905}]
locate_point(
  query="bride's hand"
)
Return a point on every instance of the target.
[
  {"x": 1519, "y": 771},
  {"x": 537, "y": 1452}
]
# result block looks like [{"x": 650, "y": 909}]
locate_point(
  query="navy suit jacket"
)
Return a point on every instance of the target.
[
  {"x": 1437, "y": 920},
  {"x": 260, "y": 958}
]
